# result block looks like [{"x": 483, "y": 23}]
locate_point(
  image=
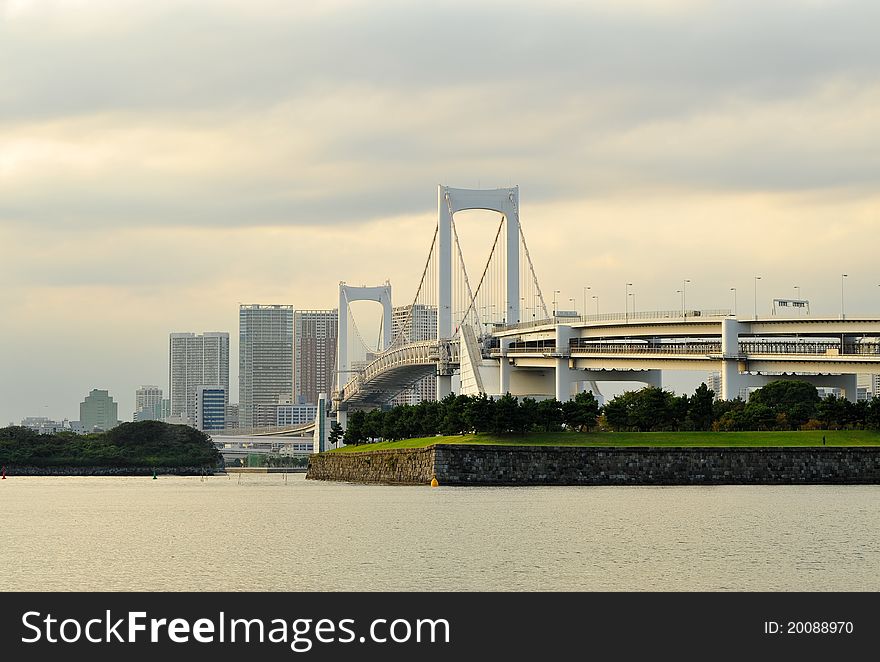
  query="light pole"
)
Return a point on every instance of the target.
[
  {"x": 586, "y": 287},
  {"x": 571, "y": 299},
  {"x": 555, "y": 292},
  {"x": 633, "y": 295},
  {"x": 797, "y": 290},
  {"x": 757, "y": 278},
  {"x": 596, "y": 297},
  {"x": 626, "y": 304},
  {"x": 843, "y": 278},
  {"x": 733, "y": 289},
  {"x": 684, "y": 285}
]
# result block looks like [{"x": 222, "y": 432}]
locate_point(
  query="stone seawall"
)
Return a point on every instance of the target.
[
  {"x": 401, "y": 466},
  {"x": 107, "y": 471},
  {"x": 460, "y": 464}
]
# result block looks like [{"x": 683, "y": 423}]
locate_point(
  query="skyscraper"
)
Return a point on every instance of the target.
[
  {"x": 316, "y": 332},
  {"x": 98, "y": 411},
  {"x": 148, "y": 403},
  {"x": 194, "y": 361},
  {"x": 265, "y": 362},
  {"x": 421, "y": 325}
]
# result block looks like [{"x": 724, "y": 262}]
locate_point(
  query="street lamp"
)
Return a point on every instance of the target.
[
  {"x": 586, "y": 287},
  {"x": 757, "y": 278},
  {"x": 626, "y": 304},
  {"x": 633, "y": 295},
  {"x": 596, "y": 297},
  {"x": 684, "y": 285},
  {"x": 733, "y": 289},
  {"x": 555, "y": 292},
  {"x": 571, "y": 299},
  {"x": 842, "y": 280},
  {"x": 797, "y": 289}
]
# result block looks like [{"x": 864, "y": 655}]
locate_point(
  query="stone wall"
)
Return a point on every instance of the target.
[
  {"x": 455, "y": 464},
  {"x": 107, "y": 471},
  {"x": 403, "y": 466}
]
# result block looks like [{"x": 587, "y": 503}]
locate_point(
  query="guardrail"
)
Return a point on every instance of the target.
[
  {"x": 637, "y": 316},
  {"x": 746, "y": 348}
]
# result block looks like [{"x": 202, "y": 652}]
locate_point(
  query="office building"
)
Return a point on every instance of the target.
[
  {"x": 315, "y": 333},
  {"x": 211, "y": 402},
  {"x": 265, "y": 362},
  {"x": 98, "y": 412},
  {"x": 420, "y": 325},
  {"x": 288, "y": 415},
  {"x": 195, "y": 361}
]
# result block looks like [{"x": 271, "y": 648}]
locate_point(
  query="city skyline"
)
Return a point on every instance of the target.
[{"x": 678, "y": 140}]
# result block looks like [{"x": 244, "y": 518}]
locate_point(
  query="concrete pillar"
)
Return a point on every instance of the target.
[
  {"x": 563, "y": 368},
  {"x": 444, "y": 386},
  {"x": 653, "y": 378},
  {"x": 731, "y": 378},
  {"x": 504, "y": 368}
]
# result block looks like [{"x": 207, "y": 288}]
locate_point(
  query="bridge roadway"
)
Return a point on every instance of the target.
[{"x": 545, "y": 357}]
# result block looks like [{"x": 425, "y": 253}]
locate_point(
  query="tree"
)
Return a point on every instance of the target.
[
  {"x": 700, "y": 407},
  {"x": 507, "y": 415},
  {"x": 581, "y": 412},
  {"x": 550, "y": 414},
  {"x": 355, "y": 432},
  {"x": 336, "y": 433},
  {"x": 616, "y": 414},
  {"x": 796, "y": 399}
]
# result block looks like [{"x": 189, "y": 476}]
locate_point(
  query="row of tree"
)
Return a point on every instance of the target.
[
  {"x": 460, "y": 414},
  {"x": 780, "y": 405}
]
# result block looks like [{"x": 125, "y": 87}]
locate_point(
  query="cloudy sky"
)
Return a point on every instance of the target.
[{"x": 162, "y": 161}]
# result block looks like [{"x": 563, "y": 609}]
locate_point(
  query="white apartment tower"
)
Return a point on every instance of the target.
[
  {"x": 421, "y": 326},
  {"x": 315, "y": 333},
  {"x": 147, "y": 402},
  {"x": 195, "y": 361},
  {"x": 265, "y": 362}
]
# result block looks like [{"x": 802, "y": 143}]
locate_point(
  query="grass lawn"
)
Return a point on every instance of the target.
[{"x": 660, "y": 439}]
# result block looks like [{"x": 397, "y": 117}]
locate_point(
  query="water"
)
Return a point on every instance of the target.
[{"x": 182, "y": 533}]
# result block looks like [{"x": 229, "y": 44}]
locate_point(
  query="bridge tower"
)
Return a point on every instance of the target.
[
  {"x": 505, "y": 201},
  {"x": 348, "y": 293}
]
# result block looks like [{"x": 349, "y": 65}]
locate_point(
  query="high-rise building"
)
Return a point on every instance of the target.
[
  {"x": 265, "y": 362},
  {"x": 98, "y": 412},
  {"x": 714, "y": 383},
  {"x": 315, "y": 333},
  {"x": 870, "y": 385},
  {"x": 194, "y": 361},
  {"x": 148, "y": 403},
  {"x": 211, "y": 404},
  {"x": 420, "y": 325}
]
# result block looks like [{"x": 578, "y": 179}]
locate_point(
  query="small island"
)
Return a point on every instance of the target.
[{"x": 130, "y": 449}]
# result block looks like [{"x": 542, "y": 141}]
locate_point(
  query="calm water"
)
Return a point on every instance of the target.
[{"x": 180, "y": 533}]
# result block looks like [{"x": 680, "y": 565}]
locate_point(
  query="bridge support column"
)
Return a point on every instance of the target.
[
  {"x": 563, "y": 359},
  {"x": 731, "y": 378},
  {"x": 444, "y": 386},
  {"x": 504, "y": 368}
]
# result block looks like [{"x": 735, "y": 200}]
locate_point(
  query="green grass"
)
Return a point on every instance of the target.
[{"x": 658, "y": 439}]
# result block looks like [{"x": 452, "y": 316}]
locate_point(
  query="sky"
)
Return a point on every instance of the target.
[{"x": 162, "y": 161}]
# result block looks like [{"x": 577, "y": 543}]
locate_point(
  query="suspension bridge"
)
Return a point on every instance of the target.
[{"x": 492, "y": 332}]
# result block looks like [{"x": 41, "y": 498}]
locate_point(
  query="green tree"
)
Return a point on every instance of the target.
[
  {"x": 700, "y": 407},
  {"x": 581, "y": 412},
  {"x": 336, "y": 433},
  {"x": 355, "y": 430},
  {"x": 550, "y": 415}
]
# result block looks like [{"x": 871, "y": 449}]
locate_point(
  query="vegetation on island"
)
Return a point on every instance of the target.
[
  {"x": 140, "y": 444},
  {"x": 784, "y": 405}
]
